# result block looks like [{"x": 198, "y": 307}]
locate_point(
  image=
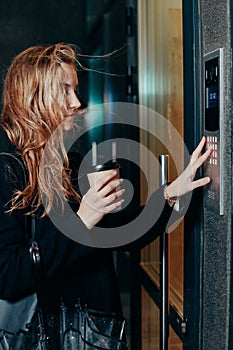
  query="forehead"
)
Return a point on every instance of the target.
[{"x": 70, "y": 75}]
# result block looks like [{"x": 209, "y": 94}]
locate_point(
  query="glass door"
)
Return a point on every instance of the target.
[{"x": 160, "y": 55}]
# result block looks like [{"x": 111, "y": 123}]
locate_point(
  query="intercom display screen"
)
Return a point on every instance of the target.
[{"x": 211, "y": 95}]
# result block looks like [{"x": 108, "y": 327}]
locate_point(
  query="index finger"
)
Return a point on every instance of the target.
[
  {"x": 203, "y": 158},
  {"x": 102, "y": 178},
  {"x": 196, "y": 153}
]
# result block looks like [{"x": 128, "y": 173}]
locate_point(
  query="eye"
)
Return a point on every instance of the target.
[
  {"x": 67, "y": 89},
  {"x": 77, "y": 92}
]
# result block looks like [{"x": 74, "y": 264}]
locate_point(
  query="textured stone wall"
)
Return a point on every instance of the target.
[{"x": 216, "y": 272}]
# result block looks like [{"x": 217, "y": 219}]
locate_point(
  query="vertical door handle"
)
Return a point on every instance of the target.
[{"x": 164, "y": 285}]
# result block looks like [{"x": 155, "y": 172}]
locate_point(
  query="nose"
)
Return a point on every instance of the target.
[{"x": 73, "y": 102}]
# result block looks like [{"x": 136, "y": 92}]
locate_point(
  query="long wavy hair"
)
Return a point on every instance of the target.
[{"x": 34, "y": 105}]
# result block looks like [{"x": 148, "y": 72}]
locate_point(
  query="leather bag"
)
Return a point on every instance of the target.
[{"x": 90, "y": 329}]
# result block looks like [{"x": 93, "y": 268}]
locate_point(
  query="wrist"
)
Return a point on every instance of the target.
[
  {"x": 86, "y": 223},
  {"x": 170, "y": 197}
]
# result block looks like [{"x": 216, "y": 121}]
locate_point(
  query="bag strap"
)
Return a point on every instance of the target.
[{"x": 34, "y": 248}]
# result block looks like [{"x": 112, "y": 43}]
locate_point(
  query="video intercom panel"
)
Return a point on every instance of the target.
[{"x": 213, "y": 130}]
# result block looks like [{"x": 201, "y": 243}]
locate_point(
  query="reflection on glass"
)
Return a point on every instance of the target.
[
  {"x": 176, "y": 265},
  {"x": 174, "y": 341},
  {"x": 150, "y": 327},
  {"x": 150, "y": 323},
  {"x": 160, "y": 63},
  {"x": 93, "y": 10},
  {"x": 150, "y": 261}
]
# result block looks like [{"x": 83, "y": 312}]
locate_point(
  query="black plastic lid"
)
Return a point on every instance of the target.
[{"x": 106, "y": 166}]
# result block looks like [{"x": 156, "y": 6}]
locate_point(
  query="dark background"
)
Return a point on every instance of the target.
[
  {"x": 97, "y": 27},
  {"x": 92, "y": 25}
]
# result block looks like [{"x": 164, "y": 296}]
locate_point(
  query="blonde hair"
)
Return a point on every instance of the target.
[{"x": 34, "y": 105}]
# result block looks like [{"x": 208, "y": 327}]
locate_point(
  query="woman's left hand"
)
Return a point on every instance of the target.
[{"x": 185, "y": 183}]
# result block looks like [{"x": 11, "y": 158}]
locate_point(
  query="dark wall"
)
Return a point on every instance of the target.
[
  {"x": 92, "y": 25},
  {"x": 24, "y": 23}
]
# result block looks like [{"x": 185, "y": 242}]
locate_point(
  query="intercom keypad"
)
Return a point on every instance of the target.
[{"x": 212, "y": 142}]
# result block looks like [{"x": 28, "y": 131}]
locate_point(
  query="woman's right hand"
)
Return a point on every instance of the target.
[
  {"x": 185, "y": 182},
  {"x": 101, "y": 199}
]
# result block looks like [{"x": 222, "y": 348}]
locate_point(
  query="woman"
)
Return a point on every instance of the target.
[{"x": 39, "y": 94}]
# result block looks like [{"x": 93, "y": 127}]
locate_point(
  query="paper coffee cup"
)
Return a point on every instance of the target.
[{"x": 99, "y": 170}]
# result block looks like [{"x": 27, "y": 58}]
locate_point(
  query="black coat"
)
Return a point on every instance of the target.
[{"x": 72, "y": 270}]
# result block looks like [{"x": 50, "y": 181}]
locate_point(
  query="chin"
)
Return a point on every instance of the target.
[{"x": 67, "y": 124}]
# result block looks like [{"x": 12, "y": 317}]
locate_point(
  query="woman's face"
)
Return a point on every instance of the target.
[{"x": 72, "y": 101}]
